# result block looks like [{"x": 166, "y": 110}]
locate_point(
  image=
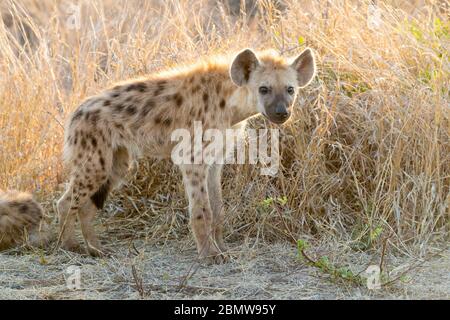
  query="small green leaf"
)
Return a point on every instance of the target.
[
  {"x": 301, "y": 245},
  {"x": 301, "y": 40},
  {"x": 375, "y": 234},
  {"x": 282, "y": 200},
  {"x": 266, "y": 203}
]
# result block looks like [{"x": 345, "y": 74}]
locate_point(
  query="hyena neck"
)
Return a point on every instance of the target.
[{"x": 242, "y": 104}]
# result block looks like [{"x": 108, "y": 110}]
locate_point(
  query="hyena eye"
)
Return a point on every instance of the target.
[
  {"x": 263, "y": 90},
  {"x": 291, "y": 90}
]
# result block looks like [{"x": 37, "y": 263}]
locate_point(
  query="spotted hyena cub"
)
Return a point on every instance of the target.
[
  {"x": 20, "y": 220},
  {"x": 137, "y": 118}
]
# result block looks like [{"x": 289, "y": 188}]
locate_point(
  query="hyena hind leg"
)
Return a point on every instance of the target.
[
  {"x": 79, "y": 200},
  {"x": 86, "y": 214},
  {"x": 67, "y": 220},
  {"x": 120, "y": 165},
  {"x": 90, "y": 196}
]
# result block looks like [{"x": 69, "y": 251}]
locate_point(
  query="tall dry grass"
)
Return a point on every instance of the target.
[{"x": 366, "y": 155}]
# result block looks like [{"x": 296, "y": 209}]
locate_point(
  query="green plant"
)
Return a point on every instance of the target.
[{"x": 324, "y": 264}]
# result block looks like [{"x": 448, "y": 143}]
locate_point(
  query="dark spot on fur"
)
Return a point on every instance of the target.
[
  {"x": 222, "y": 104},
  {"x": 131, "y": 110},
  {"x": 118, "y": 108},
  {"x": 178, "y": 99},
  {"x": 202, "y": 189},
  {"x": 195, "y": 88},
  {"x": 115, "y": 95},
  {"x": 76, "y": 116},
  {"x": 94, "y": 142},
  {"x": 106, "y": 103},
  {"x": 99, "y": 197},
  {"x": 102, "y": 162},
  {"x": 149, "y": 105},
  {"x": 23, "y": 208},
  {"x": 83, "y": 143},
  {"x": 167, "y": 122},
  {"x": 128, "y": 100},
  {"x": 159, "y": 87},
  {"x": 119, "y": 126},
  {"x": 95, "y": 117},
  {"x": 158, "y": 120},
  {"x": 140, "y": 86},
  {"x": 205, "y": 97}
]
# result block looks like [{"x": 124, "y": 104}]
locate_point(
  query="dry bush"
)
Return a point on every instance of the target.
[{"x": 367, "y": 151}]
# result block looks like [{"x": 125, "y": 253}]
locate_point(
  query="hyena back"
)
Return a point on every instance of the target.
[
  {"x": 137, "y": 118},
  {"x": 20, "y": 220}
]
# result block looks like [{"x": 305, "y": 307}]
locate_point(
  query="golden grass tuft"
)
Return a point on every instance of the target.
[{"x": 366, "y": 155}]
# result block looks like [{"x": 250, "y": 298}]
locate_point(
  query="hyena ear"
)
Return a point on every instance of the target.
[
  {"x": 305, "y": 65},
  {"x": 243, "y": 64}
]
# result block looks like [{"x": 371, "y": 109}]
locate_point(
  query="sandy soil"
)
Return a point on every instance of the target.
[{"x": 255, "y": 272}]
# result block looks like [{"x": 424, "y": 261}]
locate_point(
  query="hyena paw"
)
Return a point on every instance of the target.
[
  {"x": 73, "y": 246},
  {"x": 98, "y": 251},
  {"x": 215, "y": 257}
]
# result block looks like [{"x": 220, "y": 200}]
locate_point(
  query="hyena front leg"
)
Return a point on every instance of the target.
[
  {"x": 67, "y": 209},
  {"x": 215, "y": 199},
  {"x": 195, "y": 181}
]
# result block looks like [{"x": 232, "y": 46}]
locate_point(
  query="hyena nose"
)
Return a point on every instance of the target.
[{"x": 281, "y": 111}]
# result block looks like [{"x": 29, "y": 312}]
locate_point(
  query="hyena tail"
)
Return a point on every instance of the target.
[
  {"x": 120, "y": 166},
  {"x": 21, "y": 220}
]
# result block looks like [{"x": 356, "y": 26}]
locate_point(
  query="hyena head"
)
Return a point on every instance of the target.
[{"x": 273, "y": 80}]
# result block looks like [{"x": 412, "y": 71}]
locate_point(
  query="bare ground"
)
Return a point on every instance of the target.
[{"x": 170, "y": 271}]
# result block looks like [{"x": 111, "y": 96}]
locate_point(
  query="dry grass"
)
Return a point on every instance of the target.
[
  {"x": 366, "y": 156},
  {"x": 257, "y": 272}
]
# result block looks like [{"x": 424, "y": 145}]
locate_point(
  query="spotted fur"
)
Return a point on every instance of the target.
[
  {"x": 21, "y": 220},
  {"x": 137, "y": 117}
]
